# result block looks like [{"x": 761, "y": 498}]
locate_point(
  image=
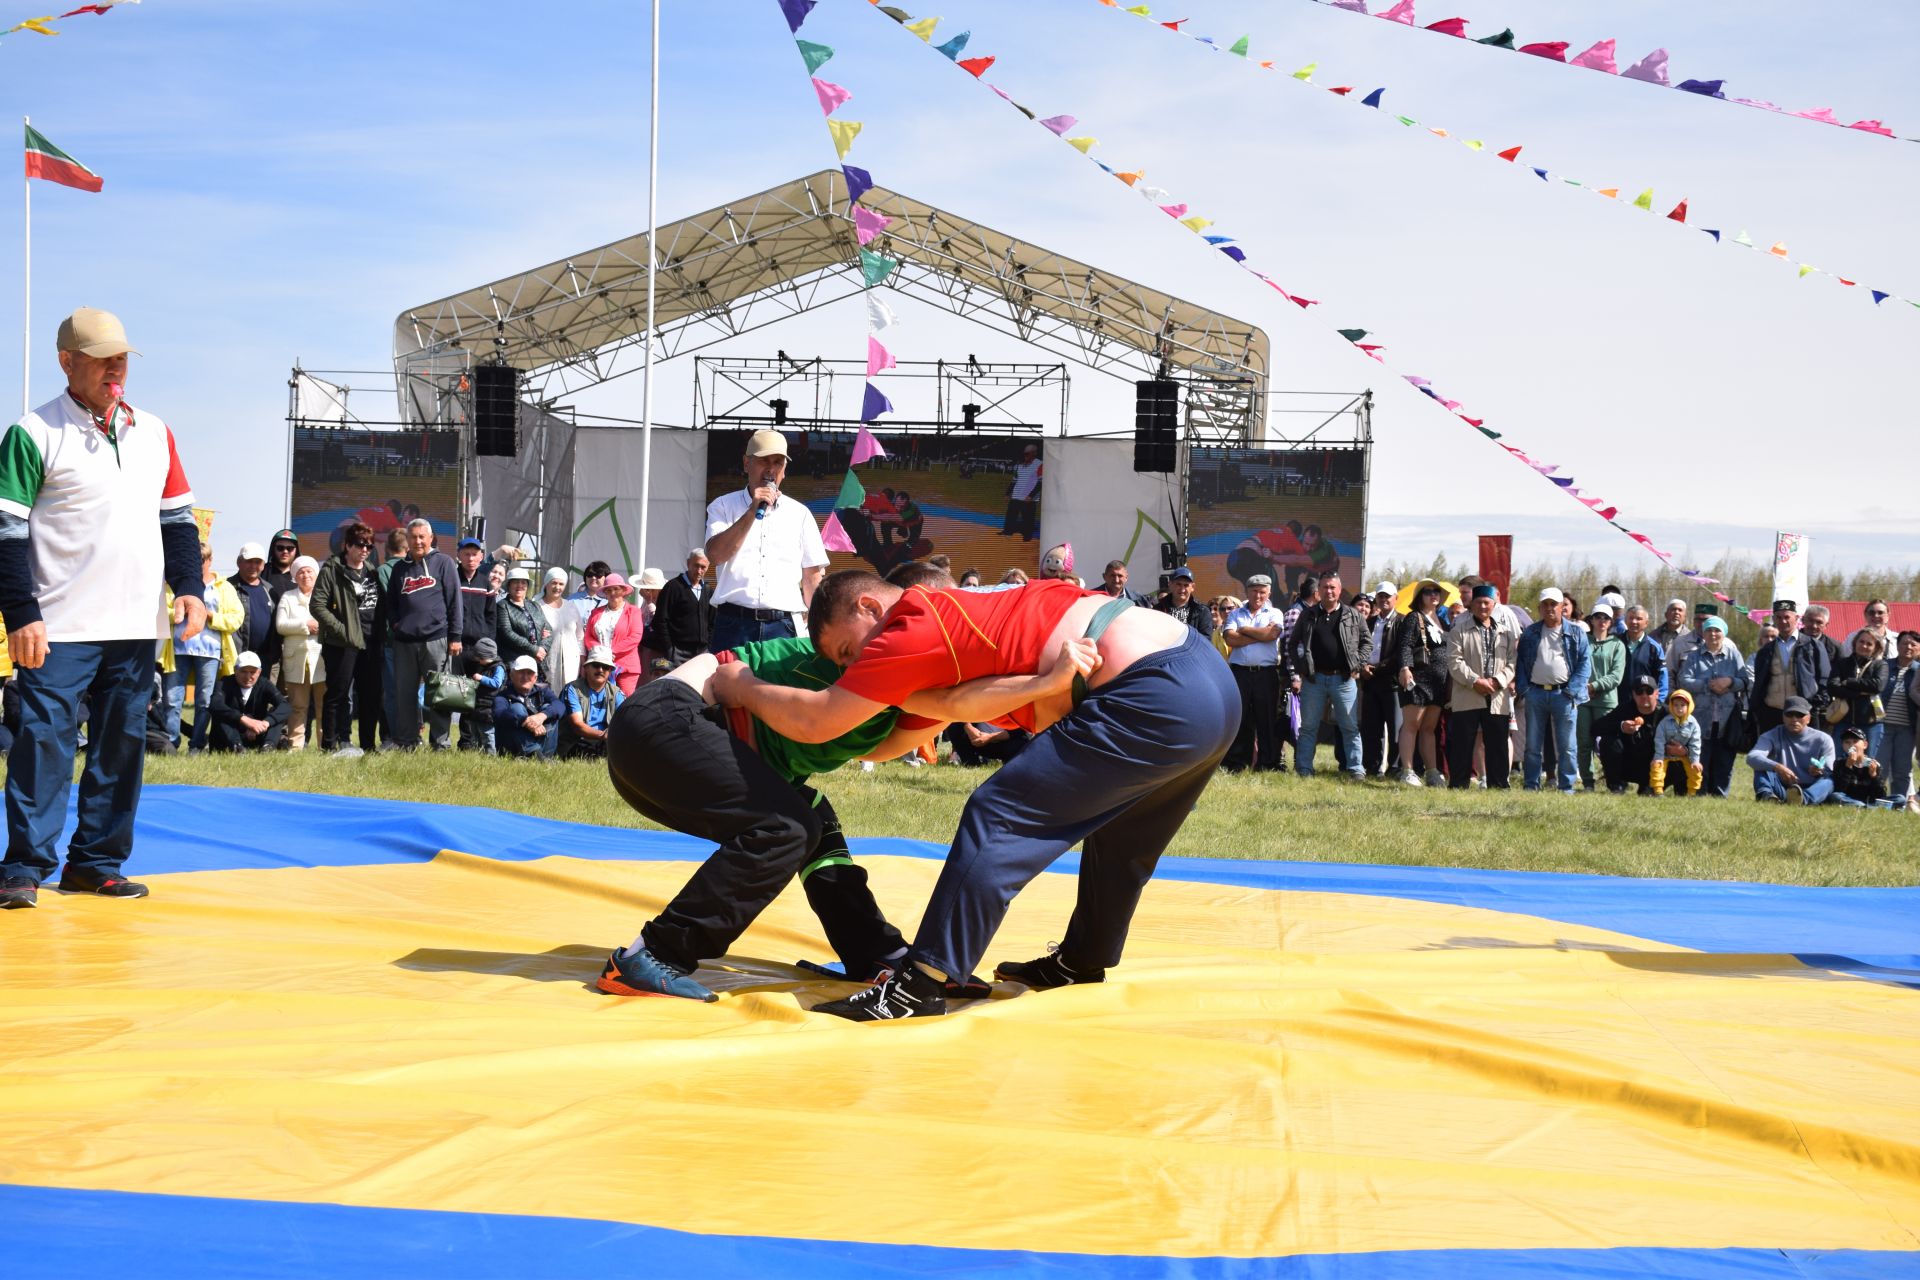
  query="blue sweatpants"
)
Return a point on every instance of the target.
[{"x": 1121, "y": 773}]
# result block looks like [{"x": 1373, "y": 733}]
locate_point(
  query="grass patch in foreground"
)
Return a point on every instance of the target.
[{"x": 1321, "y": 819}]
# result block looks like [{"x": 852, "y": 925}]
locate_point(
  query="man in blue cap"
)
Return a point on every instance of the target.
[{"x": 1180, "y": 603}]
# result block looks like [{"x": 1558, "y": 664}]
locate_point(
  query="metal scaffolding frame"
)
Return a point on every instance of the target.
[
  {"x": 580, "y": 321},
  {"x": 737, "y": 391}
]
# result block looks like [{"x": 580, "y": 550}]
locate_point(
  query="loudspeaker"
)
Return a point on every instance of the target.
[
  {"x": 1156, "y": 410},
  {"x": 496, "y": 408}
]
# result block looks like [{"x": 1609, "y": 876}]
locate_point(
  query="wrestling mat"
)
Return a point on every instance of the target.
[{"x": 356, "y": 1038}]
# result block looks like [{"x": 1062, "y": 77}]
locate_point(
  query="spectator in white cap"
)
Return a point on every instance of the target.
[
  {"x": 248, "y": 712},
  {"x": 1379, "y": 692},
  {"x": 526, "y": 714},
  {"x": 303, "y": 673},
  {"x": 1609, "y": 657},
  {"x": 766, "y": 552},
  {"x": 565, "y": 626},
  {"x": 256, "y": 633},
  {"x": 646, "y": 593},
  {"x": 1252, "y": 634},
  {"x": 521, "y": 628},
  {"x": 1552, "y": 669},
  {"x": 683, "y": 620},
  {"x": 1672, "y": 626},
  {"x": 590, "y": 703}
]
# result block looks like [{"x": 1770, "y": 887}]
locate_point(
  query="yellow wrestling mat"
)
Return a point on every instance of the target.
[{"x": 1271, "y": 1072}]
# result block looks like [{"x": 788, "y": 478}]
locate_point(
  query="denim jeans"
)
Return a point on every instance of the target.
[
  {"x": 1550, "y": 714},
  {"x": 203, "y": 672},
  {"x": 1896, "y": 758},
  {"x": 117, "y": 676},
  {"x": 1768, "y": 785},
  {"x": 734, "y": 627},
  {"x": 1315, "y": 693}
]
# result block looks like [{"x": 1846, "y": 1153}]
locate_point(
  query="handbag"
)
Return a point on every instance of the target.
[
  {"x": 1738, "y": 735},
  {"x": 1837, "y": 710},
  {"x": 451, "y": 693}
]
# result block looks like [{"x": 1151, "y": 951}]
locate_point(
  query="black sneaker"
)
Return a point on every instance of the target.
[
  {"x": 15, "y": 894},
  {"x": 902, "y": 993},
  {"x": 110, "y": 886},
  {"x": 1046, "y": 973}
]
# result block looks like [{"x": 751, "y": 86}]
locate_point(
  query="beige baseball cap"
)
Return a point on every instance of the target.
[
  {"x": 765, "y": 444},
  {"x": 93, "y": 332}
]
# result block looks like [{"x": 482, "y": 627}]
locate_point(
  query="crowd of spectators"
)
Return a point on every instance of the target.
[{"x": 1428, "y": 687}]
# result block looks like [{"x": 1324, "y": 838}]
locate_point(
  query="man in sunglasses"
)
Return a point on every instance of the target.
[{"x": 346, "y": 604}]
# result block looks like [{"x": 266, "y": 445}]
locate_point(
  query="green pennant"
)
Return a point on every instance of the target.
[
  {"x": 874, "y": 268},
  {"x": 815, "y": 54},
  {"x": 1407, "y": 120},
  {"x": 1239, "y": 46},
  {"x": 852, "y": 494},
  {"x": 898, "y": 15},
  {"x": 1352, "y": 335},
  {"x": 1502, "y": 41},
  {"x": 1491, "y": 435}
]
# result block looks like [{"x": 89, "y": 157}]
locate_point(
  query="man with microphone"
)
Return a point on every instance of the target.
[
  {"x": 766, "y": 551},
  {"x": 95, "y": 515}
]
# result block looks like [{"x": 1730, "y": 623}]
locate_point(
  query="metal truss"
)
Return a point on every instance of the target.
[{"x": 726, "y": 272}]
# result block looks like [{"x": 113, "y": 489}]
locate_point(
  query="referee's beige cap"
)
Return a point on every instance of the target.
[
  {"x": 93, "y": 332},
  {"x": 767, "y": 444}
]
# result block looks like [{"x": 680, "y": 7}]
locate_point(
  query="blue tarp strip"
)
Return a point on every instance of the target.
[{"x": 61, "y": 1233}]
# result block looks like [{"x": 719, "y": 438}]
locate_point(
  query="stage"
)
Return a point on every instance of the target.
[{"x": 357, "y": 1038}]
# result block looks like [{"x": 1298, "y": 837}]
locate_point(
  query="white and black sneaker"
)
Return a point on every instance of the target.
[
  {"x": 905, "y": 992},
  {"x": 1046, "y": 973}
]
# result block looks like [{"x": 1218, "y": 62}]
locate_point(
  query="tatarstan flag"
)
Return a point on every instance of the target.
[{"x": 44, "y": 160}]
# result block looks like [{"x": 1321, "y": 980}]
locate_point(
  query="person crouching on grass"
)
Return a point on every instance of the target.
[{"x": 1125, "y": 754}]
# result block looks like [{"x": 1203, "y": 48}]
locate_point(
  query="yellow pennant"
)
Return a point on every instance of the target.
[
  {"x": 1805, "y": 270},
  {"x": 1196, "y": 223},
  {"x": 1083, "y": 145},
  {"x": 1476, "y": 146},
  {"x": 37, "y": 25},
  {"x": 1306, "y": 72},
  {"x": 844, "y": 132},
  {"x": 923, "y": 28}
]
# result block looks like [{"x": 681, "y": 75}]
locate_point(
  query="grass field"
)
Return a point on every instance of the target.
[{"x": 1286, "y": 818}]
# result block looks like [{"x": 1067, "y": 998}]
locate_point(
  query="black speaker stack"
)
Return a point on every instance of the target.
[
  {"x": 496, "y": 410},
  {"x": 1156, "y": 432}
]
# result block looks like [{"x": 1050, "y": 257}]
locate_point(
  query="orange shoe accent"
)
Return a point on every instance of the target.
[{"x": 611, "y": 983}]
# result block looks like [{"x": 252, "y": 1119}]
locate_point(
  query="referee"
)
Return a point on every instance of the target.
[{"x": 766, "y": 551}]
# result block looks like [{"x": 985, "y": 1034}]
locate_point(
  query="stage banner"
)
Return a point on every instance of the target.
[
  {"x": 976, "y": 499},
  {"x": 606, "y": 499},
  {"x": 382, "y": 479},
  {"x": 1280, "y": 512},
  {"x": 1496, "y": 562},
  {"x": 1109, "y": 511},
  {"x": 1792, "y": 553}
]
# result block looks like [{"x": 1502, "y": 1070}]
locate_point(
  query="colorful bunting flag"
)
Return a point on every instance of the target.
[
  {"x": 866, "y": 448},
  {"x": 852, "y": 492},
  {"x": 859, "y": 182},
  {"x": 873, "y": 403},
  {"x": 814, "y": 55},
  {"x": 843, "y": 132},
  {"x": 831, "y": 96},
  {"x": 924, "y": 28},
  {"x": 867, "y": 224},
  {"x": 796, "y": 12},
  {"x": 833, "y": 536}
]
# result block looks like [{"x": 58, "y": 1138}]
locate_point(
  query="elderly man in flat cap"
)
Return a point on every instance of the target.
[{"x": 95, "y": 517}]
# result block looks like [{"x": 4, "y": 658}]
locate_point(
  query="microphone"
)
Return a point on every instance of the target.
[{"x": 760, "y": 508}]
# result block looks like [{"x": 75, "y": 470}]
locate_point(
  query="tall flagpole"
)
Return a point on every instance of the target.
[
  {"x": 26, "y": 307},
  {"x": 653, "y": 261}
]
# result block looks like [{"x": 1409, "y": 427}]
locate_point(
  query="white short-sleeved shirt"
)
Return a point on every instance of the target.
[
  {"x": 93, "y": 504},
  {"x": 1026, "y": 478},
  {"x": 1261, "y": 653},
  {"x": 765, "y": 572}
]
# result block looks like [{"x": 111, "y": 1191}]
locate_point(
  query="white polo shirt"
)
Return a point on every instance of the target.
[
  {"x": 765, "y": 572},
  {"x": 92, "y": 506},
  {"x": 1261, "y": 653}
]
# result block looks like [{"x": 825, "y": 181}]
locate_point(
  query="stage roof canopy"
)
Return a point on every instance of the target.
[{"x": 582, "y": 320}]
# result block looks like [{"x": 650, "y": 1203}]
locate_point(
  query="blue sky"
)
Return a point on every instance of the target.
[{"x": 282, "y": 181}]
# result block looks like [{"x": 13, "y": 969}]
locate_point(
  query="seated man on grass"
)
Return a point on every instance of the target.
[{"x": 1127, "y": 750}]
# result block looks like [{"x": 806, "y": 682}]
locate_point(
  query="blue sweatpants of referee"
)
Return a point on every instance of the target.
[{"x": 1122, "y": 772}]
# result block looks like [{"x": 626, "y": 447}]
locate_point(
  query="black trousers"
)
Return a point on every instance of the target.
[
  {"x": 993, "y": 753},
  {"x": 677, "y": 766},
  {"x": 1765, "y": 718},
  {"x": 1464, "y": 728},
  {"x": 1377, "y": 702},
  {"x": 354, "y": 679},
  {"x": 1259, "y": 720},
  {"x": 1627, "y": 760},
  {"x": 1023, "y": 518}
]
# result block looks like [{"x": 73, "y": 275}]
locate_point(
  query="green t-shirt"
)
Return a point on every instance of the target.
[{"x": 792, "y": 662}]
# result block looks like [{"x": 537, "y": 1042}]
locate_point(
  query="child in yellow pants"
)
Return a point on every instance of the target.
[{"x": 1676, "y": 742}]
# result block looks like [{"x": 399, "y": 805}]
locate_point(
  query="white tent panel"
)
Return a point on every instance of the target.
[
  {"x": 606, "y": 497},
  {"x": 1094, "y": 499}
]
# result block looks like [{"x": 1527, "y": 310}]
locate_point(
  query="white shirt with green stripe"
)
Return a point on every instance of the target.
[{"x": 92, "y": 503}]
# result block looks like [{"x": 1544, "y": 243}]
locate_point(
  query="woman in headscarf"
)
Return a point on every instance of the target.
[{"x": 303, "y": 675}]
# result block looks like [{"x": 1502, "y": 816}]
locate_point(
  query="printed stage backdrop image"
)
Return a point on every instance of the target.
[
  {"x": 1284, "y": 513},
  {"x": 971, "y": 497},
  {"x": 382, "y": 479}
]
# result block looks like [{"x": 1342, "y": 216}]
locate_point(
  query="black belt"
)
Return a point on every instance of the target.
[
  {"x": 1550, "y": 688},
  {"x": 758, "y": 615}
]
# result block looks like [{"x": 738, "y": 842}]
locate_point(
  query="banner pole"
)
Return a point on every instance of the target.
[
  {"x": 653, "y": 263},
  {"x": 26, "y": 276}
]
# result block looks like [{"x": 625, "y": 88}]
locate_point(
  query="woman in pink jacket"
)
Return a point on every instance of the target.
[{"x": 620, "y": 626}]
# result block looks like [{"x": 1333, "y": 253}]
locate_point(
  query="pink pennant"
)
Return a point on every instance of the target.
[
  {"x": 878, "y": 357},
  {"x": 1551, "y": 50},
  {"x": 1652, "y": 68},
  {"x": 1760, "y": 103},
  {"x": 1450, "y": 27},
  {"x": 1060, "y": 124},
  {"x": 1372, "y": 350},
  {"x": 1452, "y": 405},
  {"x": 1598, "y": 58},
  {"x": 867, "y": 224},
  {"x": 1174, "y": 210},
  {"x": 831, "y": 95},
  {"x": 1609, "y": 513},
  {"x": 1402, "y": 12},
  {"x": 1823, "y": 114},
  {"x": 866, "y": 448},
  {"x": 1417, "y": 380},
  {"x": 1871, "y": 126},
  {"x": 833, "y": 537},
  {"x": 1300, "y": 302}
]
